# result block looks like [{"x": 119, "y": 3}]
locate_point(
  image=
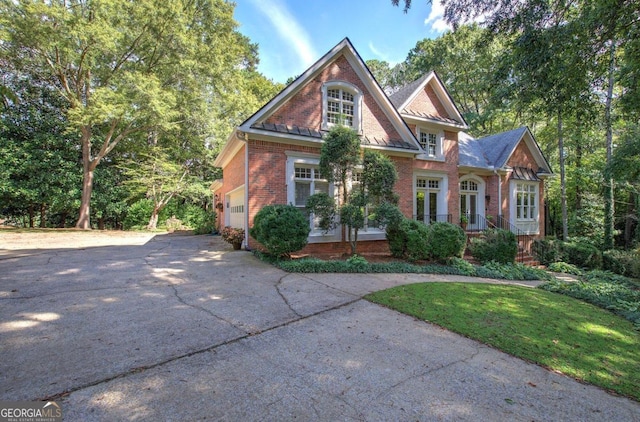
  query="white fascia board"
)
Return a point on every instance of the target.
[
  {"x": 443, "y": 96},
  {"x": 284, "y": 95},
  {"x": 379, "y": 96},
  {"x": 215, "y": 185},
  {"x": 228, "y": 151},
  {"x": 417, "y": 120}
]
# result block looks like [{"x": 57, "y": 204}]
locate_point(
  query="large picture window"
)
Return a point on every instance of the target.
[{"x": 526, "y": 201}]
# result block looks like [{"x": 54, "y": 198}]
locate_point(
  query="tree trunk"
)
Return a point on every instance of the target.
[
  {"x": 579, "y": 174},
  {"x": 31, "y": 216},
  {"x": 85, "y": 209},
  {"x": 153, "y": 220},
  {"x": 43, "y": 216},
  {"x": 629, "y": 220},
  {"x": 87, "y": 181},
  {"x": 609, "y": 211},
  {"x": 563, "y": 185},
  {"x": 63, "y": 220}
]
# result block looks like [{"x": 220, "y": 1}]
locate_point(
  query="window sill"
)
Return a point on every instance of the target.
[{"x": 427, "y": 157}]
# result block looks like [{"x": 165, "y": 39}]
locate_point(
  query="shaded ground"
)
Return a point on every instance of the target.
[{"x": 183, "y": 328}]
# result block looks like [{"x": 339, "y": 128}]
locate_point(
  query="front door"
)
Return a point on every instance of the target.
[{"x": 470, "y": 203}]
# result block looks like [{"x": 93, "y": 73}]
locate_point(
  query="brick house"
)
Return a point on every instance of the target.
[{"x": 272, "y": 158}]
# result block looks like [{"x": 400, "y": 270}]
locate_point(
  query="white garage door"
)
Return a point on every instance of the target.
[{"x": 236, "y": 209}]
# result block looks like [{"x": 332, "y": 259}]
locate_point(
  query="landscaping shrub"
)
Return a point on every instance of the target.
[
  {"x": 138, "y": 214},
  {"x": 626, "y": 263},
  {"x": 495, "y": 245},
  {"x": 563, "y": 267},
  {"x": 604, "y": 289},
  {"x": 546, "y": 251},
  {"x": 197, "y": 218},
  {"x": 281, "y": 229},
  {"x": 408, "y": 240},
  {"x": 581, "y": 254},
  {"x": 446, "y": 240},
  {"x": 465, "y": 267}
]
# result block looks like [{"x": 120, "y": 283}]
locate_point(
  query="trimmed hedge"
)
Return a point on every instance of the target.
[
  {"x": 408, "y": 240},
  {"x": 445, "y": 241},
  {"x": 281, "y": 229},
  {"x": 496, "y": 245}
]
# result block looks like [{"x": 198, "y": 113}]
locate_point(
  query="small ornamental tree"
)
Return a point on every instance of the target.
[
  {"x": 340, "y": 159},
  {"x": 281, "y": 229}
]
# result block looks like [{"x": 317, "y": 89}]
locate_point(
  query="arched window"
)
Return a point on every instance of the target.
[{"x": 341, "y": 105}]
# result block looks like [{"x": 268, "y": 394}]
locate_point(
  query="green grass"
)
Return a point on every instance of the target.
[{"x": 555, "y": 331}]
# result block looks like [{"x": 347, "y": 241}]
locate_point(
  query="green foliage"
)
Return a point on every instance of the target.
[
  {"x": 409, "y": 240},
  {"x": 339, "y": 155},
  {"x": 387, "y": 215},
  {"x": 281, "y": 229},
  {"x": 465, "y": 267},
  {"x": 556, "y": 332},
  {"x": 563, "y": 267},
  {"x": 606, "y": 290},
  {"x": 495, "y": 245},
  {"x": 198, "y": 219},
  {"x": 546, "y": 251},
  {"x": 446, "y": 240},
  {"x": 131, "y": 81},
  {"x": 379, "y": 175},
  {"x": 580, "y": 254},
  {"x": 510, "y": 271},
  {"x": 626, "y": 263},
  {"x": 323, "y": 208},
  {"x": 138, "y": 214},
  {"x": 357, "y": 261}
]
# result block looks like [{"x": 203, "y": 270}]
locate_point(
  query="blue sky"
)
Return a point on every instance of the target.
[{"x": 293, "y": 34}]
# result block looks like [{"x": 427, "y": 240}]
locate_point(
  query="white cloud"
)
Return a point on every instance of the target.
[
  {"x": 288, "y": 29},
  {"x": 435, "y": 20},
  {"x": 377, "y": 52}
]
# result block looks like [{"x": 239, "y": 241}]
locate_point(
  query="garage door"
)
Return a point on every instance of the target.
[{"x": 236, "y": 209}]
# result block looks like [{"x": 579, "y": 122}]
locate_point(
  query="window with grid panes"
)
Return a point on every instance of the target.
[
  {"x": 526, "y": 201},
  {"x": 308, "y": 181},
  {"x": 429, "y": 142},
  {"x": 340, "y": 105}
]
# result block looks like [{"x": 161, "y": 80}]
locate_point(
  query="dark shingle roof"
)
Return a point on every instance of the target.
[
  {"x": 471, "y": 153},
  {"x": 400, "y": 96},
  {"x": 498, "y": 147},
  {"x": 313, "y": 133}
]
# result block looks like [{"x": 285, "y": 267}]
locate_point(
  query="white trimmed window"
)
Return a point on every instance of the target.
[
  {"x": 341, "y": 105},
  {"x": 303, "y": 180},
  {"x": 431, "y": 142},
  {"x": 525, "y": 206},
  {"x": 526, "y": 201},
  {"x": 430, "y": 198}
]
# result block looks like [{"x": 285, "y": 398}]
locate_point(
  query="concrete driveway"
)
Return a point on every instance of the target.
[{"x": 184, "y": 328}]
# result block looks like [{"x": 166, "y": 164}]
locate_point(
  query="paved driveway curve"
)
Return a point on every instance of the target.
[{"x": 183, "y": 328}]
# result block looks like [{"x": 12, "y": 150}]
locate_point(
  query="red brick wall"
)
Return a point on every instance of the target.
[
  {"x": 522, "y": 157},
  {"x": 426, "y": 101},
  {"x": 232, "y": 178},
  {"x": 305, "y": 107}
]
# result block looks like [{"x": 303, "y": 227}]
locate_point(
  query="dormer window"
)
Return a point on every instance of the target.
[
  {"x": 431, "y": 143},
  {"x": 341, "y": 105}
]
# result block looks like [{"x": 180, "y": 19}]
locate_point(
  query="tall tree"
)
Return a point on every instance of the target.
[{"x": 125, "y": 67}]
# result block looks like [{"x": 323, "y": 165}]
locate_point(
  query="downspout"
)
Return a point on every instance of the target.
[
  {"x": 495, "y": 171},
  {"x": 245, "y": 138}
]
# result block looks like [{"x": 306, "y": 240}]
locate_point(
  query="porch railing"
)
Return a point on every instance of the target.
[
  {"x": 433, "y": 218},
  {"x": 477, "y": 223},
  {"x": 525, "y": 241}
]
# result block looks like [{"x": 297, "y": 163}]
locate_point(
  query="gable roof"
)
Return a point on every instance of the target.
[
  {"x": 403, "y": 98},
  {"x": 494, "y": 151},
  {"x": 256, "y": 123}
]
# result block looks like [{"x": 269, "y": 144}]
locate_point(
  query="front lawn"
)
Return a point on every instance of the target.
[{"x": 555, "y": 331}]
